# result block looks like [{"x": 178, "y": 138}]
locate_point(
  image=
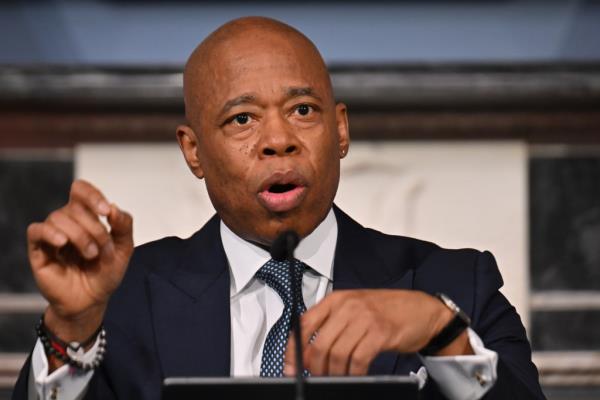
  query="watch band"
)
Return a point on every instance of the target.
[{"x": 451, "y": 331}]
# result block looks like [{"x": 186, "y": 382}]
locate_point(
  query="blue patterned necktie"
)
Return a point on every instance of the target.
[{"x": 277, "y": 275}]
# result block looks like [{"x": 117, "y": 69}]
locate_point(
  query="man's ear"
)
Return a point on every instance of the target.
[
  {"x": 343, "y": 129},
  {"x": 188, "y": 143}
]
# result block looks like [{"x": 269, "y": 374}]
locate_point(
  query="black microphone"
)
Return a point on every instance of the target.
[
  {"x": 283, "y": 249},
  {"x": 284, "y": 246}
]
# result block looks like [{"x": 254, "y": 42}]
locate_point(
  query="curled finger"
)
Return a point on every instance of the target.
[
  {"x": 89, "y": 222},
  {"x": 364, "y": 353},
  {"x": 78, "y": 236}
]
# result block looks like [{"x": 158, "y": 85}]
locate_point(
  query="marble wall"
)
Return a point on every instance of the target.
[
  {"x": 31, "y": 185},
  {"x": 565, "y": 250},
  {"x": 565, "y": 223}
]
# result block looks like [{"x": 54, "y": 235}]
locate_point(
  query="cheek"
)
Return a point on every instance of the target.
[
  {"x": 326, "y": 149},
  {"x": 325, "y": 161},
  {"x": 246, "y": 150},
  {"x": 226, "y": 158},
  {"x": 227, "y": 169},
  {"x": 331, "y": 155}
]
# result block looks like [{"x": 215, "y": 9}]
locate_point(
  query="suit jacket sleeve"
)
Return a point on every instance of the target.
[
  {"x": 499, "y": 326},
  {"x": 21, "y": 387},
  {"x": 472, "y": 280}
]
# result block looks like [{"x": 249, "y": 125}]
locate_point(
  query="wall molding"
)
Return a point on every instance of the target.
[{"x": 538, "y": 103}]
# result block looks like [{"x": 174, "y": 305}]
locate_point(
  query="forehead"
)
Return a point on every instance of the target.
[{"x": 264, "y": 66}]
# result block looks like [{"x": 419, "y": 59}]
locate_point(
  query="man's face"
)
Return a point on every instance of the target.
[{"x": 269, "y": 137}]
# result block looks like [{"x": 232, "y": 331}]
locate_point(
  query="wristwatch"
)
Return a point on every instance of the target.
[{"x": 455, "y": 327}]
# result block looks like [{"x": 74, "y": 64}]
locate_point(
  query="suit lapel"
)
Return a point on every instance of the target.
[
  {"x": 359, "y": 265},
  {"x": 190, "y": 309}
]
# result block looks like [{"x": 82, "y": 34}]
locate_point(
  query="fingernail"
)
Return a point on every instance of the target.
[
  {"x": 91, "y": 251},
  {"x": 61, "y": 239},
  {"x": 103, "y": 207}
]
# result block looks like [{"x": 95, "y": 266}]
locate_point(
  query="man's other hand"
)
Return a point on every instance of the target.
[{"x": 345, "y": 331}]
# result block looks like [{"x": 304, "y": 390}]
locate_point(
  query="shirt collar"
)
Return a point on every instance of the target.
[{"x": 245, "y": 258}]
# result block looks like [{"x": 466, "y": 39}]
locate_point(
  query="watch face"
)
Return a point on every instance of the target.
[
  {"x": 452, "y": 305},
  {"x": 449, "y": 303}
]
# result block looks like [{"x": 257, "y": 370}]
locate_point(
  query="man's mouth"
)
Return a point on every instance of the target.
[
  {"x": 282, "y": 187},
  {"x": 282, "y": 192}
]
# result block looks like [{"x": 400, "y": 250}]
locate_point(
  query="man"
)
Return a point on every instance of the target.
[{"x": 264, "y": 131}]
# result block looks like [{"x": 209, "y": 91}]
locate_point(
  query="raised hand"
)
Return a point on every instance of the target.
[{"x": 77, "y": 263}]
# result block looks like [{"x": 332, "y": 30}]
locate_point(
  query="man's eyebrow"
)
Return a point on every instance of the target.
[
  {"x": 301, "y": 91},
  {"x": 243, "y": 99}
]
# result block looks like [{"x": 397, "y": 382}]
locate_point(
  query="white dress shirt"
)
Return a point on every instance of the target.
[{"x": 255, "y": 307}]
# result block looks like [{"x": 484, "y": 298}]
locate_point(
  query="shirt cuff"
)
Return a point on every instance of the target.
[
  {"x": 62, "y": 383},
  {"x": 465, "y": 377}
]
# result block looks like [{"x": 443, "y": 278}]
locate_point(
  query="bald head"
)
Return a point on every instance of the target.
[
  {"x": 234, "y": 45},
  {"x": 263, "y": 130}
]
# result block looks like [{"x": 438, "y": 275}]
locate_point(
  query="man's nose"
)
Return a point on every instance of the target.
[{"x": 278, "y": 138}]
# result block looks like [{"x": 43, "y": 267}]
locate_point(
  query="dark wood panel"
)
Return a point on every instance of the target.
[
  {"x": 533, "y": 127},
  {"x": 43, "y": 129},
  {"x": 60, "y": 129}
]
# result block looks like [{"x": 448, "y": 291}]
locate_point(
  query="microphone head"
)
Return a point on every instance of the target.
[{"x": 284, "y": 245}]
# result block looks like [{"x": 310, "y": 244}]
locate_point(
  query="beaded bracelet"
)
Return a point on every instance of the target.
[{"x": 72, "y": 353}]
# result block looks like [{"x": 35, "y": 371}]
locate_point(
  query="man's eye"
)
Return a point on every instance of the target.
[
  {"x": 241, "y": 119},
  {"x": 304, "y": 109}
]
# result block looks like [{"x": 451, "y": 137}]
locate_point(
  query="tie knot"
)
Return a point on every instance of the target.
[{"x": 278, "y": 276}]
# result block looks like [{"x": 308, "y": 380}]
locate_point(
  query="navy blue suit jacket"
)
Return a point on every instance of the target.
[{"x": 170, "y": 315}]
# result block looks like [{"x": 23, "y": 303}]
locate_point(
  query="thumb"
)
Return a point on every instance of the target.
[
  {"x": 289, "y": 358},
  {"x": 121, "y": 224}
]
